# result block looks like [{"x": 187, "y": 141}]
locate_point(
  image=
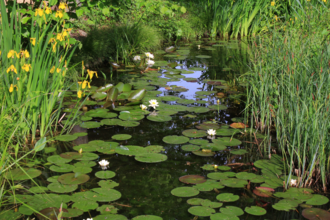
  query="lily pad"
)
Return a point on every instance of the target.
[
  {"x": 121, "y": 137},
  {"x": 88, "y": 156},
  {"x": 107, "y": 184},
  {"x": 169, "y": 98},
  {"x": 192, "y": 179},
  {"x": 107, "y": 209},
  {"x": 208, "y": 167},
  {"x": 90, "y": 124},
  {"x": 238, "y": 125},
  {"x": 147, "y": 217},
  {"x": 227, "y": 197},
  {"x": 62, "y": 168},
  {"x": 159, "y": 118},
  {"x": 131, "y": 117},
  {"x": 105, "y": 174},
  {"x": 227, "y": 141},
  {"x": 196, "y": 69},
  {"x": 66, "y": 137},
  {"x": 255, "y": 210},
  {"x": 222, "y": 216},
  {"x": 209, "y": 186},
  {"x": 174, "y": 139},
  {"x": 226, "y": 132},
  {"x": 263, "y": 191},
  {"x": 85, "y": 205},
  {"x": 73, "y": 213},
  {"x": 195, "y": 201},
  {"x": 316, "y": 214},
  {"x": 246, "y": 176},
  {"x": 317, "y": 200},
  {"x": 234, "y": 183},
  {"x": 198, "y": 109},
  {"x": 190, "y": 147},
  {"x": 85, "y": 164},
  {"x": 128, "y": 123},
  {"x": 185, "y": 101},
  {"x": 205, "y": 92},
  {"x": 111, "y": 121},
  {"x": 106, "y": 195},
  {"x": 61, "y": 188},
  {"x": 154, "y": 149},
  {"x": 83, "y": 170},
  {"x": 207, "y": 126},
  {"x": 185, "y": 191},
  {"x": 151, "y": 158},
  {"x": 130, "y": 150},
  {"x": 22, "y": 174},
  {"x": 201, "y": 211},
  {"x": 110, "y": 217},
  {"x": 71, "y": 155},
  {"x": 58, "y": 159},
  {"x": 204, "y": 153},
  {"x": 286, "y": 205},
  {"x": 232, "y": 210},
  {"x": 73, "y": 179},
  {"x": 214, "y": 147},
  {"x": 194, "y": 133},
  {"x": 199, "y": 141}
]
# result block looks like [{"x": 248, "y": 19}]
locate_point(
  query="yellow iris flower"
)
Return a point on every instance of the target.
[
  {"x": 26, "y": 67},
  {"x": 25, "y": 53},
  {"x": 39, "y": 12},
  {"x": 52, "y": 70},
  {"x": 48, "y": 10},
  {"x": 54, "y": 47},
  {"x": 60, "y": 37},
  {"x": 85, "y": 83},
  {"x": 58, "y": 70},
  {"x": 11, "y": 88},
  {"x": 63, "y": 6},
  {"x": 51, "y": 40},
  {"x": 79, "y": 94},
  {"x": 272, "y": 3},
  {"x": 12, "y": 69},
  {"x": 91, "y": 74},
  {"x": 59, "y": 14},
  {"x": 33, "y": 41},
  {"x": 12, "y": 54}
]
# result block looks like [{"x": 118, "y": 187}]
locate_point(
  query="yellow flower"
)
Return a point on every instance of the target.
[
  {"x": 65, "y": 33},
  {"x": 82, "y": 63},
  {"x": 80, "y": 150},
  {"x": 39, "y": 12},
  {"x": 79, "y": 93},
  {"x": 12, "y": 68},
  {"x": 33, "y": 41},
  {"x": 272, "y": 3},
  {"x": 60, "y": 37},
  {"x": 54, "y": 47},
  {"x": 63, "y": 6},
  {"x": 325, "y": 1},
  {"x": 59, "y": 14},
  {"x": 52, "y": 70},
  {"x": 79, "y": 83},
  {"x": 12, "y": 53},
  {"x": 26, "y": 67},
  {"x": 25, "y": 53},
  {"x": 91, "y": 74},
  {"x": 11, "y": 88},
  {"x": 58, "y": 70},
  {"x": 276, "y": 17},
  {"x": 0, "y": 52},
  {"x": 85, "y": 83},
  {"x": 48, "y": 10},
  {"x": 51, "y": 40}
]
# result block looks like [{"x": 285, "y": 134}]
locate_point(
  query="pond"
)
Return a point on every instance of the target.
[{"x": 158, "y": 156}]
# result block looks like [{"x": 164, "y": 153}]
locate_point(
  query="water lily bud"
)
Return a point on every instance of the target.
[
  {"x": 218, "y": 101},
  {"x": 215, "y": 166},
  {"x": 199, "y": 47},
  {"x": 80, "y": 150}
]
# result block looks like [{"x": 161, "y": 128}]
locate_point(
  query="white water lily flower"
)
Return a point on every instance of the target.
[
  {"x": 143, "y": 107},
  {"x": 150, "y": 63},
  {"x": 211, "y": 132},
  {"x": 153, "y": 103},
  {"x": 293, "y": 182},
  {"x": 137, "y": 58},
  {"x": 104, "y": 163}
]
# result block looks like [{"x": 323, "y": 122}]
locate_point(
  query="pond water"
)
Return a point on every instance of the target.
[{"x": 146, "y": 188}]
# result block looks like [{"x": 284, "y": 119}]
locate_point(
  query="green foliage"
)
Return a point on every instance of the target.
[{"x": 289, "y": 91}]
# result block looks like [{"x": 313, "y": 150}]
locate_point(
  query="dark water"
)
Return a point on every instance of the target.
[{"x": 146, "y": 188}]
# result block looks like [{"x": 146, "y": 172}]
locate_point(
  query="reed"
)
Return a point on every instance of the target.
[{"x": 289, "y": 93}]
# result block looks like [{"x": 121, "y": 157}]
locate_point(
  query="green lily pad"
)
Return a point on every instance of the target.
[
  {"x": 106, "y": 196},
  {"x": 234, "y": 183},
  {"x": 213, "y": 205},
  {"x": 58, "y": 159},
  {"x": 185, "y": 101},
  {"x": 130, "y": 150},
  {"x": 185, "y": 191},
  {"x": 316, "y": 214},
  {"x": 159, "y": 118},
  {"x": 81, "y": 134},
  {"x": 10, "y": 215},
  {"x": 110, "y": 121},
  {"x": 107, "y": 184},
  {"x": 199, "y": 141},
  {"x": 85, "y": 164},
  {"x": 66, "y": 137},
  {"x": 151, "y": 158},
  {"x": 53, "y": 179},
  {"x": 190, "y": 147},
  {"x": 220, "y": 176},
  {"x": 246, "y": 176},
  {"x": 317, "y": 200},
  {"x": 286, "y": 205},
  {"x": 194, "y": 133},
  {"x": 208, "y": 167},
  {"x": 38, "y": 189},
  {"x": 99, "y": 95},
  {"x": 232, "y": 210},
  {"x": 196, "y": 69},
  {"x": 85, "y": 205},
  {"x": 192, "y": 179},
  {"x": 174, "y": 139},
  {"x": 227, "y": 141},
  {"x": 217, "y": 107},
  {"x": 205, "y": 92},
  {"x": 195, "y": 201},
  {"x": 222, "y": 216},
  {"x": 71, "y": 155},
  {"x": 207, "y": 126},
  {"x": 226, "y": 132},
  {"x": 83, "y": 170},
  {"x": 201, "y": 211},
  {"x": 90, "y": 124},
  {"x": 154, "y": 149},
  {"x": 110, "y": 217},
  {"x": 105, "y": 174},
  {"x": 73, "y": 179},
  {"x": 167, "y": 112},
  {"x": 208, "y": 186},
  {"x": 147, "y": 217},
  {"x": 213, "y": 147},
  {"x": 61, "y": 188},
  {"x": 72, "y": 213},
  {"x": 169, "y": 98},
  {"x": 238, "y": 151},
  {"x": 88, "y": 156},
  {"x": 227, "y": 197},
  {"x": 63, "y": 168},
  {"x": 203, "y": 153},
  {"x": 198, "y": 109},
  {"x": 22, "y": 174},
  {"x": 121, "y": 137},
  {"x": 85, "y": 148},
  {"x": 107, "y": 209},
  {"x": 255, "y": 210},
  {"x": 48, "y": 150},
  {"x": 131, "y": 117}
]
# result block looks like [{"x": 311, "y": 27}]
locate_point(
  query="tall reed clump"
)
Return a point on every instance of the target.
[
  {"x": 33, "y": 71},
  {"x": 289, "y": 92}
]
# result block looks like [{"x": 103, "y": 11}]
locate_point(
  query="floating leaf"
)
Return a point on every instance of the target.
[
  {"x": 238, "y": 125},
  {"x": 195, "y": 201},
  {"x": 227, "y": 141},
  {"x": 22, "y": 174},
  {"x": 66, "y": 137},
  {"x": 185, "y": 191},
  {"x": 111, "y": 121},
  {"x": 73, "y": 213},
  {"x": 208, "y": 167},
  {"x": 209, "y": 186},
  {"x": 147, "y": 217},
  {"x": 88, "y": 156},
  {"x": 151, "y": 158},
  {"x": 107, "y": 209},
  {"x": 190, "y": 147},
  {"x": 121, "y": 137},
  {"x": 234, "y": 183},
  {"x": 58, "y": 159},
  {"x": 263, "y": 191},
  {"x": 105, "y": 195},
  {"x": 63, "y": 168},
  {"x": 85, "y": 205},
  {"x": 204, "y": 153},
  {"x": 201, "y": 211},
  {"x": 107, "y": 184},
  {"x": 255, "y": 210},
  {"x": 192, "y": 179},
  {"x": 72, "y": 179},
  {"x": 232, "y": 210},
  {"x": 227, "y": 197},
  {"x": 71, "y": 155},
  {"x": 194, "y": 133},
  {"x": 130, "y": 150},
  {"x": 222, "y": 216},
  {"x": 317, "y": 200},
  {"x": 226, "y": 132},
  {"x": 246, "y": 176},
  {"x": 137, "y": 95},
  {"x": 82, "y": 170},
  {"x": 105, "y": 174},
  {"x": 174, "y": 139},
  {"x": 159, "y": 118},
  {"x": 61, "y": 188},
  {"x": 154, "y": 149},
  {"x": 199, "y": 141}
]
